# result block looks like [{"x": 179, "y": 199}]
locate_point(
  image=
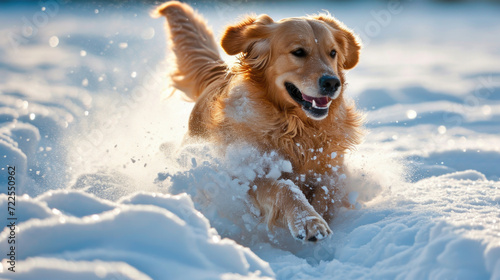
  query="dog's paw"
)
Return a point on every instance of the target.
[{"x": 309, "y": 227}]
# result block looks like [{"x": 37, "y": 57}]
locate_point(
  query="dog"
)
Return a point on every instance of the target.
[{"x": 285, "y": 95}]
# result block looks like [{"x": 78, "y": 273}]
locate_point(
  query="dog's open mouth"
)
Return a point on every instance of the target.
[{"x": 315, "y": 107}]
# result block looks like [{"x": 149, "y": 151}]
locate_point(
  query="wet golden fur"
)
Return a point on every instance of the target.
[{"x": 249, "y": 103}]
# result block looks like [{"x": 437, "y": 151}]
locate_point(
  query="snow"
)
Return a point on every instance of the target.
[
  {"x": 122, "y": 238},
  {"x": 105, "y": 191}
]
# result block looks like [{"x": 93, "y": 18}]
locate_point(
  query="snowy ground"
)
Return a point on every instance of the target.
[{"x": 104, "y": 192}]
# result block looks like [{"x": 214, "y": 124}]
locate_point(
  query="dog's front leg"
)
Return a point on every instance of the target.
[{"x": 283, "y": 204}]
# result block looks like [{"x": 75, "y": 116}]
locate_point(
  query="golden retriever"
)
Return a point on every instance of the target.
[{"x": 285, "y": 94}]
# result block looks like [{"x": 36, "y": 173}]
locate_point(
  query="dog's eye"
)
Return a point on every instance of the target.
[
  {"x": 299, "y": 52},
  {"x": 333, "y": 53}
]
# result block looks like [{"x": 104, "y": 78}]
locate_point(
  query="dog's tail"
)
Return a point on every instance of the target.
[{"x": 197, "y": 60}]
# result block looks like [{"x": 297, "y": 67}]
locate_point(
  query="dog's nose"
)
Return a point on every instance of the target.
[{"x": 328, "y": 84}]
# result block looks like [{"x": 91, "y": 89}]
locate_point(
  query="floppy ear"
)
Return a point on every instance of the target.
[
  {"x": 346, "y": 39},
  {"x": 240, "y": 37}
]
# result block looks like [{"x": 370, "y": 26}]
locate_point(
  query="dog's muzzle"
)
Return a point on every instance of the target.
[{"x": 315, "y": 107}]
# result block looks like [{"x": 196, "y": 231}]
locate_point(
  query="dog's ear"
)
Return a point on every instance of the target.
[
  {"x": 346, "y": 39},
  {"x": 240, "y": 37}
]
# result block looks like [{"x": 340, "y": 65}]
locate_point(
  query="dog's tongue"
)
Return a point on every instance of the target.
[{"x": 320, "y": 101}]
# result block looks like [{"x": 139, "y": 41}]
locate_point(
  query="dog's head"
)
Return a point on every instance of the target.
[{"x": 300, "y": 60}]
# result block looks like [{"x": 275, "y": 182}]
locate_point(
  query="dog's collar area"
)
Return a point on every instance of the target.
[{"x": 315, "y": 107}]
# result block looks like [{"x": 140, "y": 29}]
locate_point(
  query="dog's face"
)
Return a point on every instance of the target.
[{"x": 300, "y": 59}]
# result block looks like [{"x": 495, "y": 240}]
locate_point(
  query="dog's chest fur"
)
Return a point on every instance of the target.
[{"x": 310, "y": 148}]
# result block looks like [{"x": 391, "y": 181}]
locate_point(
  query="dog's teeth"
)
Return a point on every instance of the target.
[{"x": 314, "y": 105}]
